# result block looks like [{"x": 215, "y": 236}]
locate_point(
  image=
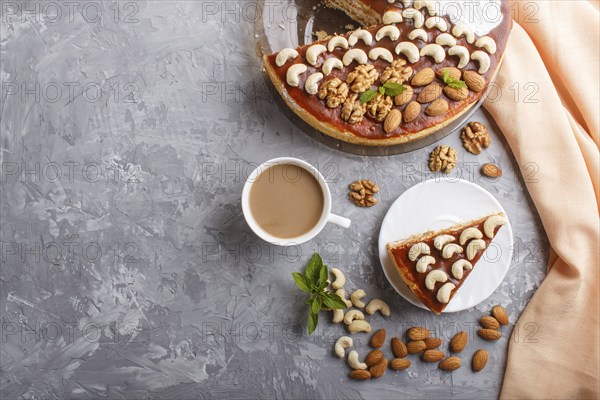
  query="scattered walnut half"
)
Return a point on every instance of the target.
[
  {"x": 398, "y": 72},
  {"x": 475, "y": 136},
  {"x": 353, "y": 111},
  {"x": 335, "y": 91},
  {"x": 442, "y": 158},
  {"x": 362, "y": 193},
  {"x": 362, "y": 78}
]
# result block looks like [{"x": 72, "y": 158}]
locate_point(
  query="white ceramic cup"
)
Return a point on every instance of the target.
[{"x": 326, "y": 215}]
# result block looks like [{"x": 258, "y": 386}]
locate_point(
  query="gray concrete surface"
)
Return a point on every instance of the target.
[{"x": 128, "y": 272}]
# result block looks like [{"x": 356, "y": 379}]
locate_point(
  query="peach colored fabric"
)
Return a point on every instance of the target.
[{"x": 559, "y": 134}]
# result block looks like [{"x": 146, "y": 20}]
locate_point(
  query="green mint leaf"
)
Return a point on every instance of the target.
[
  {"x": 313, "y": 269},
  {"x": 313, "y": 320},
  {"x": 332, "y": 300},
  {"x": 393, "y": 88},
  {"x": 302, "y": 281},
  {"x": 323, "y": 274},
  {"x": 367, "y": 96},
  {"x": 323, "y": 285},
  {"x": 315, "y": 307},
  {"x": 381, "y": 90},
  {"x": 453, "y": 82}
]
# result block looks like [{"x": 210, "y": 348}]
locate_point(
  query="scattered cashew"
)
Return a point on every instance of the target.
[
  {"x": 451, "y": 249},
  {"x": 392, "y": 17},
  {"x": 461, "y": 29},
  {"x": 356, "y": 296},
  {"x": 284, "y": 56},
  {"x": 337, "y": 41},
  {"x": 340, "y": 279},
  {"x": 487, "y": 43},
  {"x": 434, "y": 51},
  {"x": 357, "y": 55},
  {"x": 330, "y": 64},
  {"x": 483, "y": 59},
  {"x": 417, "y": 249},
  {"x": 359, "y": 325},
  {"x": 390, "y": 31},
  {"x": 353, "y": 361},
  {"x": 424, "y": 262},
  {"x": 445, "y": 39},
  {"x": 313, "y": 53},
  {"x": 381, "y": 52},
  {"x": 430, "y": 5},
  {"x": 437, "y": 275},
  {"x": 341, "y": 344},
  {"x": 409, "y": 50},
  {"x": 293, "y": 74},
  {"x": 473, "y": 247},
  {"x": 312, "y": 83},
  {"x": 378, "y": 305},
  {"x": 415, "y": 15},
  {"x": 360, "y": 34},
  {"x": 462, "y": 53},
  {"x": 440, "y": 241},
  {"x": 418, "y": 33},
  {"x": 342, "y": 293},
  {"x": 490, "y": 224},
  {"x": 468, "y": 234},
  {"x": 459, "y": 266},
  {"x": 437, "y": 22},
  {"x": 353, "y": 315},
  {"x": 338, "y": 316},
  {"x": 443, "y": 294}
]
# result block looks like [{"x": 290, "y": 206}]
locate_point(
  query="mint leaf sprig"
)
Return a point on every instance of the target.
[
  {"x": 314, "y": 281},
  {"x": 387, "y": 89},
  {"x": 453, "y": 82}
]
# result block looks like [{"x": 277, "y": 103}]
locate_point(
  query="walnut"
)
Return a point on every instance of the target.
[
  {"x": 397, "y": 72},
  {"x": 380, "y": 107},
  {"x": 475, "y": 136},
  {"x": 362, "y": 78},
  {"x": 442, "y": 158},
  {"x": 352, "y": 110},
  {"x": 362, "y": 193},
  {"x": 335, "y": 91}
]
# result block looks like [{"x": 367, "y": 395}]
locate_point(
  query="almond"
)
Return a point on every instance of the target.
[
  {"x": 378, "y": 339},
  {"x": 489, "y": 334},
  {"x": 437, "y": 107},
  {"x": 452, "y": 72},
  {"x": 433, "y": 355},
  {"x": 432, "y": 343},
  {"x": 423, "y": 77},
  {"x": 418, "y": 333},
  {"x": 415, "y": 346},
  {"x": 399, "y": 348},
  {"x": 374, "y": 357},
  {"x": 405, "y": 97},
  {"x": 429, "y": 93},
  {"x": 450, "y": 364},
  {"x": 500, "y": 314},
  {"x": 474, "y": 81},
  {"x": 459, "y": 342},
  {"x": 489, "y": 322},
  {"x": 456, "y": 94},
  {"x": 493, "y": 171},
  {"x": 399, "y": 364},
  {"x": 360, "y": 374},
  {"x": 480, "y": 359},
  {"x": 378, "y": 370},
  {"x": 412, "y": 111},
  {"x": 392, "y": 121}
]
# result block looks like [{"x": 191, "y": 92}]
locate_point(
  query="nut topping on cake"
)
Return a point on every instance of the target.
[
  {"x": 417, "y": 249},
  {"x": 284, "y": 56},
  {"x": 353, "y": 111},
  {"x": 380, "y": 106},
  {"x": 424, "y": 262},
  {"x": 459, "y": 266},
  {"x": 443, "y": 294},
  {"x": 429, "y": 93},
  {"x": 434, "y": 276},
  {"x": 490, "y": 224},
  {"x": 398, "y": 72},
  {"x": 362, "y": 78},
  {"x": 405, "y": 97},
  {"x": 474, "y": 81},
  {"x": 412, "y": 111},
  {"x": 468, "y": 234},
  {"x": 451, "y": 249},
  {"x": 334, "y": 91},
  {"x": 423, "y": 78},
  {"x": 440, "y": 241},
  {"x": 473, "y": 247}
]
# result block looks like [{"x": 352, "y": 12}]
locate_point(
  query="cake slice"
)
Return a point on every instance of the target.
[{"x": 434, "y": 265}]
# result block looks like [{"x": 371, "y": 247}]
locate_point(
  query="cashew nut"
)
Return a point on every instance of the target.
[
  {"x": 360, "y": 34},
  {"x": 338, "y": 316},
  {"x": 353, "y": 315},
  {"x": 378, "y": 305},
  {"x": 284, "y": 56},
  {"x": 487, "y": 43},
  {"x": 435, "y": 51},
  {"x": 473, "y": 247},
  {"x": 312, "y": 84},
  {"x": 468, "y": 234},
  {"x": 341, "y": 344},
  {"x": 356, "y": 296},
  {"x": 340, "y": 279},
  {"x": 293, "y": 74},
  {"x": 461, "y": 29},
  {"x": 451, "y": 249},
  {"x": 313, "y": 53},
  {"x": 490, "y": 224},
  {"x": 390, "y": 31},
  {"x": 359, "y": 325},
  {"x": 462, "y": 53},
  {"x": 437, "y": 22},
  {"x": 406, "y": 3},
  {"x": 357, "y": 55},
  {"x": 409, "y": 50},
  {"x": 392, "y": 17},
  {"x": 459, "y": 266},
  {"x": 424, "y": 262},
  {"x": 443, "y": 294},
  {"x": 330, "y": 64},
  {"x": 445, "y": 39},
  {"x": 381, "y": 52},
  {"x": 342, "y": 293},
  {"x": 417, "y": 249},
  {"x": 353, "y": 361},
  {"x": 437, "y": 275},
  {"x": 440, "y": 241},
  {"x": 430, "y": 5},
  {"x": 415, "y": 15},
  {"x": 337, "y": 41},
  {"x": 418, "y": 33},
  {"x": 483, "y": 59}
]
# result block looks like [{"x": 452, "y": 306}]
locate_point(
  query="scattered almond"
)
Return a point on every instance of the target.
[
  {"x": 459, "y": 342},
  {"x": 418, "y": 333},
  {"x": 489, "y": 322},
  {"x": 437, "y": 107},
  {"x": 491, "y": 170},
  {"x": 500, "y": 314},
  {"x": 480, "y": 359},
  {"x": 392, "y": 121},
  {"x": 399, "y": 364},
  {"x": 429, "y": 93},
  {"x": 416, "y": 346},
  {"x": 373, "y": 358},
  {"x": 423, "y": 77},
  {"x": 452, "y": 72},
  {"x": 474, "y": 81},
  {"x": 432, "y": 343},
  {"x": 433, "y": 355},
  {"x": 360, "y": 374},
  {"x": 405, "y": 97},
  {"x": 456, "y": 94},
  {"x": 489, "y": 334},
  {"x": 412, "y": 111},
  {"x": 450, "y": 364},
  {"x": 378, "y": 370},
  {"x": 378, "y": 338},
  {"x": 399, "y": 348}
]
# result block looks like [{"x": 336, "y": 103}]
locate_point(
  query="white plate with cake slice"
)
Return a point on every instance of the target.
[{"x": 438, "y": 204}]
